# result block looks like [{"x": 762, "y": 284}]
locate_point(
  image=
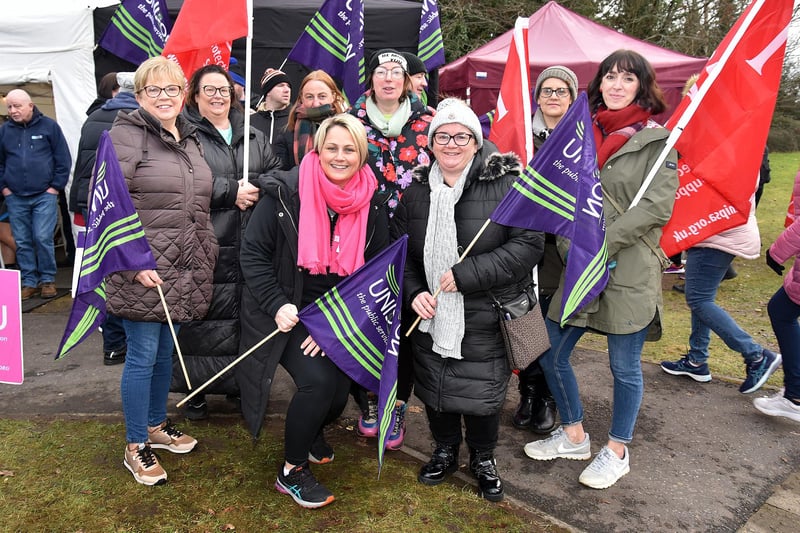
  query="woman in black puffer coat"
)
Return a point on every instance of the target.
[
  {"x": 460, "y": 367},
  {"x": 209, "y": 345}
]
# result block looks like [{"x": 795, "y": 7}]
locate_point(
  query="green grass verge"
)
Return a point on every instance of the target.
[
  {"x": 744, "y": 297},
  {"x": 67, "y": 475}
]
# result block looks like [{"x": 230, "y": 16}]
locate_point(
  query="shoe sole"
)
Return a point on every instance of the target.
[
  {"x": 370, "y": 434},
  {"x": 48, "y": 296},
  {"x": 699, "y": 379},
  {"x": 141, "y": 480},
  {"x": 169, "y": 448},
  {"x": 783, "y": 414},
  {"x": 771, "y": 370},
  {"x": 111, "y": 362},
  {"x": 323, "y": 461},
  {"x": 491, "y": 497},
  {"x": 574, "y": 457},
  {"x": 302, "y": 503},
  {"x": 605, "y": 485},
  {"x": 433, "y": 482}
]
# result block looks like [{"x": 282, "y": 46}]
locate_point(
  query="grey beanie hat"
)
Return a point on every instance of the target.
[
  {"x": 455, "y": 111},
  {"x": 562, "y": 73},
  {"x": 125, "y": 82}
]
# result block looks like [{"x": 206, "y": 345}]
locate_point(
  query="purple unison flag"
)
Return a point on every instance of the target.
[
  {"x": 357, "y": 325},
  {"x": 333, "y": 41},
  {"x": 431, "y": 46},
  {"x": 114, "y": 241},
  {"x": 559, "y": 192},
  {"x": 137, "y": 30}
]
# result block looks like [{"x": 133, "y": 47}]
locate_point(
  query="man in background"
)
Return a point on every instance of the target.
[{"x": 34, "y": 167}]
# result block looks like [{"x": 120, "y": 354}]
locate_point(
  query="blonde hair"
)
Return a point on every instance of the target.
[
  {"x": 155, "y": 67},
  {"x": 352, "y": 125}
]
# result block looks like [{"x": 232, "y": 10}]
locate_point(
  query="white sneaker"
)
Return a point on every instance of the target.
[
  {"x": 558, "y": 445},
  {"x": 777, "y": 405},
  {"x": 606, "y": 469}
]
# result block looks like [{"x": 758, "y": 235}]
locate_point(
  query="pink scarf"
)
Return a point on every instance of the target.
[{"x": 344, "y": 253}]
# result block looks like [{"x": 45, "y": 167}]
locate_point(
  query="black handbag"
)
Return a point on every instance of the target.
[{"x": 523, "y": 328}]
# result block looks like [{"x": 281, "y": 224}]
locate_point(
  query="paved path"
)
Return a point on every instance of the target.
[{"x": 703, "y": 458}]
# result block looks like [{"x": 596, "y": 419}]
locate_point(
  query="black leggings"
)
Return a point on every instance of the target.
[
  {"x": 320, "y": 398},
  {"x": 481, "y": 431}
]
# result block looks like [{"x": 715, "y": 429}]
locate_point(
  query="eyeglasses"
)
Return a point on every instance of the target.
[
  {"x": 210, "y": 90},
  {"x": 547, "y": 92},
  {"x": 461, "y": 139},
  {"x": 153, "y": 91},
  {"x": 395, "y": 73}
]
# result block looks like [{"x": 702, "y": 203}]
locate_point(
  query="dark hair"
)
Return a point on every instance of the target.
[
  {"x": 649, "y": 96},
  {"x": 194, "y": 85},
  {"x": 108, "y": 84}
]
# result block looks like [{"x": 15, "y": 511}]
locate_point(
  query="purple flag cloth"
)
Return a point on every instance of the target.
[
  {"x": 114, "y": 241},
  {"x": 431, "y": 45},
  {"x": 137, "y": 30},
  {"x": 333, "y": 41},
  {"x": 357, "y": 325},
  {"x": 559, "y": 192}
]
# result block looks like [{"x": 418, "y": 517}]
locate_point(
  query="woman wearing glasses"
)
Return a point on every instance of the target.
[
  {"x": 555, "y": 91},
  {"x": 170, "y": 185},
  {"x": 397, "y": 131},
  {"x": 209, "y": 345},
  {"x": 460, "y": 367}
]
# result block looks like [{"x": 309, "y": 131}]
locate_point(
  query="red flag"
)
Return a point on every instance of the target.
[
  {"x": 204, "y": 31},
  {"x": 511, "y": 130},
  {"x": 722, "y": 143}
]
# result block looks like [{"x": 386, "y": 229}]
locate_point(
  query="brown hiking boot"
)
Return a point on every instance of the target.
[
  {"x": 29, "y": 292},
  {"x": 48, "y": 290}
]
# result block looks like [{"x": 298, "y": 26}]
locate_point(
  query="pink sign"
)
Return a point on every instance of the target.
[{"x": 11, "y": 370}]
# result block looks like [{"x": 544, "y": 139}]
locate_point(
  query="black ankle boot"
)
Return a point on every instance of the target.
[
  {"x": 484, "y": 467},
  {"x": 444, "y": 462},
  {"x": 543, "y": 418},
  {"x": 527, "y": 399}
]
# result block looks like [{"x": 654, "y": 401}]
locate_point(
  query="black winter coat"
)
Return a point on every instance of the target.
[
  {"x": 98, "y": 121},
  {"x": 209, "y": 345},
  {"x": 273, "y": 279},
  {"x": 501, "y": 261}
]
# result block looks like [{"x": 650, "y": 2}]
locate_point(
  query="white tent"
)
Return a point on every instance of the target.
[{"x": 51, "y": 42}]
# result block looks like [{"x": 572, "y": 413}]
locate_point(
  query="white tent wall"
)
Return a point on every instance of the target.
[{"x": 51, "y": 41}]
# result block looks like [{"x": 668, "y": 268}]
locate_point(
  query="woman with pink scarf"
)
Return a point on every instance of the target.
[{"x": 316, "y": 224}]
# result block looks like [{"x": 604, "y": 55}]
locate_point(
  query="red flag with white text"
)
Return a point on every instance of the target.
[
  {"x": 722, "y": 144},
  {"x": 204, "y": 32},
  {"x": 511, "y": 130}
]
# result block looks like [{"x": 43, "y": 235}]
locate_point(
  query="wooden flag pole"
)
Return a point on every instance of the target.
[
  {"x": 174, "y": 336},
  {"x": 438, "y": 290},
  {"x": 231, "y": 365}
]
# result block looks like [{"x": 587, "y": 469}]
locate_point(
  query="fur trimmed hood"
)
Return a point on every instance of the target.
[{"x": 488, "y": 165}]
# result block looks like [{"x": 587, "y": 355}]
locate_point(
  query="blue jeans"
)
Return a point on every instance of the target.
[
  {"x": 783, "y": 314},
  {"x": 146, "y": 377},
  {"x": 113, "y": 334},
  {"x": 624, "y": 356},
  {"x": 33, "y": 223},
  {"x": 705, "y": 268}
]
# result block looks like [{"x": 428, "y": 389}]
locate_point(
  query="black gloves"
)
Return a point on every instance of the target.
[{"x": 774, "y": 265}]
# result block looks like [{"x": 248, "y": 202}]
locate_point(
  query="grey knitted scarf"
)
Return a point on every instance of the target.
[{"x": 441, "y": 253}]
